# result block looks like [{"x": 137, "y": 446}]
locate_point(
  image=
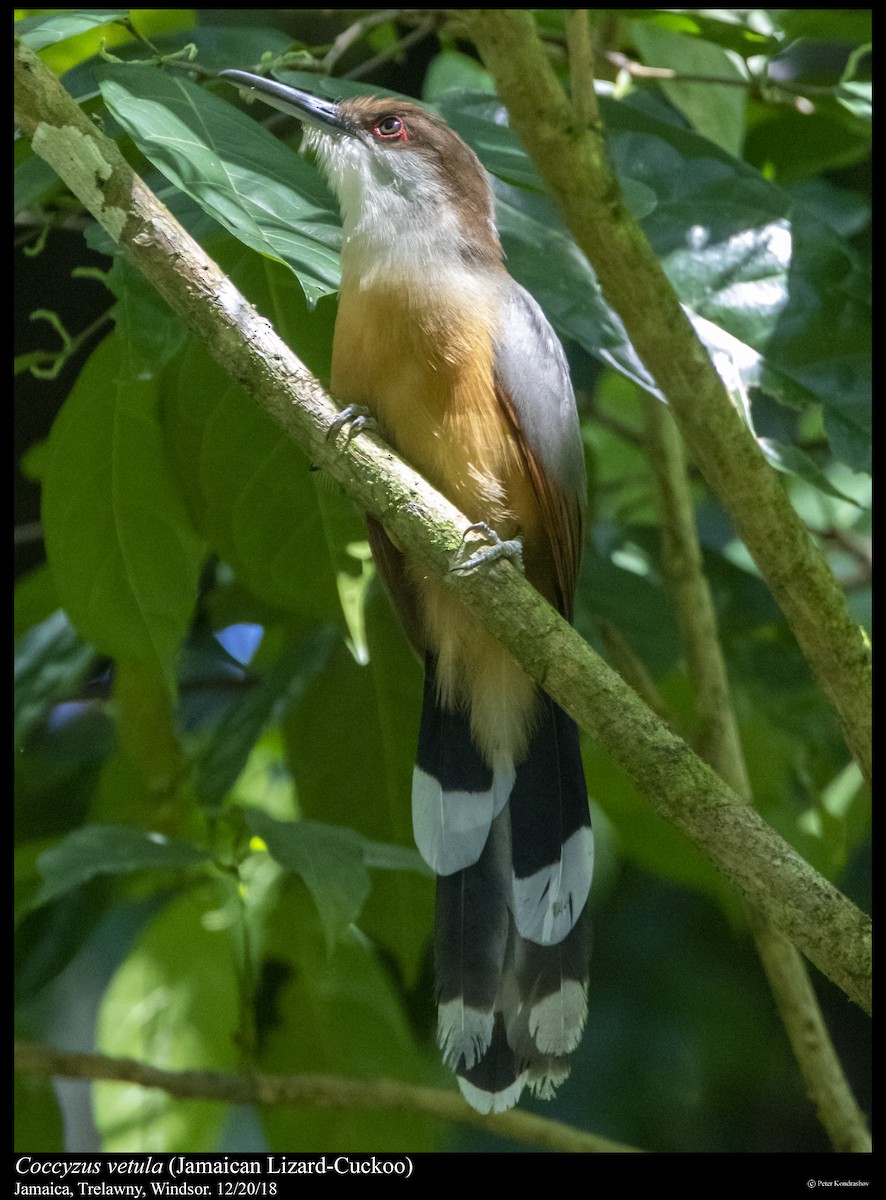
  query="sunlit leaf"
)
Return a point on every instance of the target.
[
  {"x": 172, "y": 1003},
  {"x": 328, "y": 859},
  {"x": 716, "y": 111},
  {"x": 47, "y": 29},
  {"x": 245, "y": 178}
]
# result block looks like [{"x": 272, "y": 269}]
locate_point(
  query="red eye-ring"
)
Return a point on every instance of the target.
[{"x": 391, "y": 128}]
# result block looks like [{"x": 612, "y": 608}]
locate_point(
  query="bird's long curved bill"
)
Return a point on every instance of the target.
[{"x": 323, "y": 114}]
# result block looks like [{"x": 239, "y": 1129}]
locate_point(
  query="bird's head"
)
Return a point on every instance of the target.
[{"x": 406, "y": 183}]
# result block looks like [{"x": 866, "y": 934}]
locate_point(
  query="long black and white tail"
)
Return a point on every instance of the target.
[{"x": 513, "y": 852}]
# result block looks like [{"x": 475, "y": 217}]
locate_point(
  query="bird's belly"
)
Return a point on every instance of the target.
[
  {"x": 430, "y": 385},
  {"x": 428, "y": 380}
]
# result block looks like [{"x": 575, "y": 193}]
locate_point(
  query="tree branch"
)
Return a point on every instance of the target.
[
  {"x": 572, "y": 161},
  {"x": 719, "y": 743},
  {"x": 317, "y": 1091},
  {"x": 828, "y": 928}
]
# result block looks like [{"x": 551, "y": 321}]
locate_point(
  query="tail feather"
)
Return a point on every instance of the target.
[
  {"x": 512, "y": 941},
  {"x": 455, "y": 794},
  {"x": 552, "y": 985},
  {"x": 553, "y": 847},
  {"x": 471, "y": 940},
  {"x": 496, "y": 1082}
]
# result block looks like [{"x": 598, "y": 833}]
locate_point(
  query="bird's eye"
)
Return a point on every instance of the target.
[{"x": 391, "y": 127}]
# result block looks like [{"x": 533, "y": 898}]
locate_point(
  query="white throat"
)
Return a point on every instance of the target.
[{"x": 397, "y": 215}]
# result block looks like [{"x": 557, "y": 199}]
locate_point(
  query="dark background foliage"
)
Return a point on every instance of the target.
[{"x": 215, "y": 709}]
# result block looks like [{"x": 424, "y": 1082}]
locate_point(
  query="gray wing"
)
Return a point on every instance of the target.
[{"x": 533, "y": 385}]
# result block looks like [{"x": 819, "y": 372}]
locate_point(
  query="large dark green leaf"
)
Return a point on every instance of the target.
[
  {"x": 39, "y": 1127},
  {"x": 328, "y": 859},
  {"x": 281, "y": 526},
  {"x": 124, "y": 554}
]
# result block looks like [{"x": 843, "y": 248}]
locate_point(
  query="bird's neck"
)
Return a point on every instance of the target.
[{"x": 409, "y": 226}]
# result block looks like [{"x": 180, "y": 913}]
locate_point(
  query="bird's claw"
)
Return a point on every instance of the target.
[
  {"x": 356, "y": 417},
  {"x": 512, "y": 548}
]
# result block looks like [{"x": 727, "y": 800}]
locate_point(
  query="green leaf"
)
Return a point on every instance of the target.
[
  {"x": 174, "y": 1004},
  {"x": 858, "y": 98},
  {"x": 715, "y": 111},
  {"x": 281, "y": 527},
  {"x": 330, "y": 861},
  {"x": 33, "y": 181},
  {"x": 354, "y": 734},
  {"x": 791, "y": 460},
  {"x": 35, "y": 598},
  {"x": 49, "y": 937},
  {"x": 451, "y": 70},
  {"x": 245, "y": 178},
  {"x": 109, "y": 850},
  {"x": 838, "y": 25},
  {"x": 124, "y": 554},
  {"x": 383, "y": 857},
  {"x": 45, "y": 30},
  {"x": 845, "y": 212},
  {"x": 152, "y": 331}
]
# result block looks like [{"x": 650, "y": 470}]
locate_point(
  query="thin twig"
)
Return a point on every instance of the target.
[
  {"x": 409, "y": 39},
  {"x": 353, "y": 33},
  {"x": 789, "y": 93},
  {"x": 639, "y": 70}
]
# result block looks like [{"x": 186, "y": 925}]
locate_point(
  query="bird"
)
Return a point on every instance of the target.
[{"x": 461, "y": 373}]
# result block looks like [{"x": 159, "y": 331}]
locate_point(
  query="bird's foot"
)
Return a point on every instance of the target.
[
  {"x": 356, "y": 417},
  {"x": 497, "y": 548}
]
